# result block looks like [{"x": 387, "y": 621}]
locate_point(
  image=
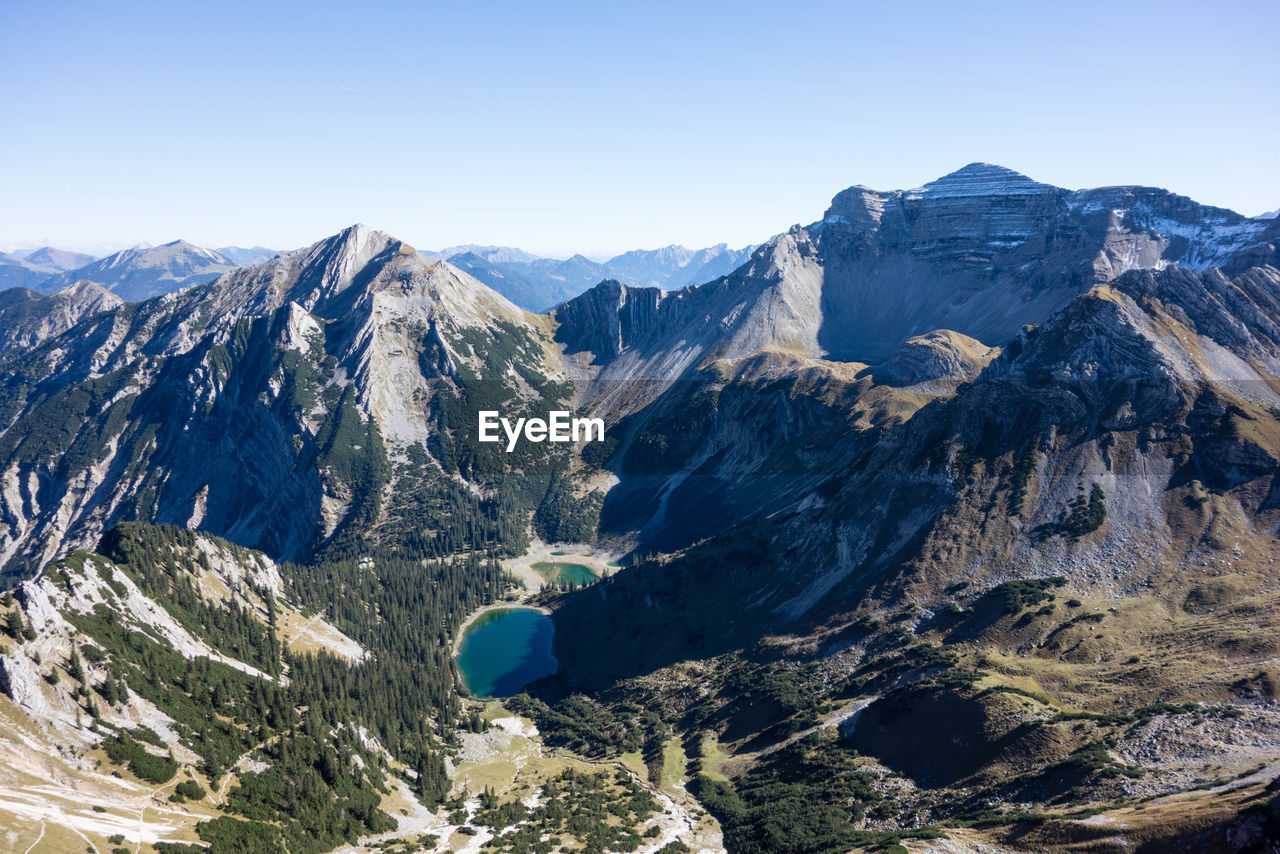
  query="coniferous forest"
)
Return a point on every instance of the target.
[{"x": 316, "y": 718}]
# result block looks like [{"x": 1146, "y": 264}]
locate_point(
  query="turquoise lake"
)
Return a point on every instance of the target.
[
  {"x": 504, "y": 650},
  {"x": 572, "y": 573}
]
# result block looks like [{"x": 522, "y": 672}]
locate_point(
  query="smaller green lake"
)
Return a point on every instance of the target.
[
  {"x": 573, "y": 573},
  {"x": 504, "y": 650}
]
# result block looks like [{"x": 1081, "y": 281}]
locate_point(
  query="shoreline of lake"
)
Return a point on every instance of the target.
[
  {"x": 496, "y": 606},
  {"x": 504, "y": 649}
]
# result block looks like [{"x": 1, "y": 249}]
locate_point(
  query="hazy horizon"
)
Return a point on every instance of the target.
[{"x": 568, "y": 129}]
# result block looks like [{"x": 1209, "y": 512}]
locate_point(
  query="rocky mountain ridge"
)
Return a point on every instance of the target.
[{"x": 982, "y": 252}]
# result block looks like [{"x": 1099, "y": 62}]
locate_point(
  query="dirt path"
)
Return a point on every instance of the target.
[
  {"x": 231, "y": 772},
  {"x": 38, "y": 838},
  {"x": 142, "y": 816}
]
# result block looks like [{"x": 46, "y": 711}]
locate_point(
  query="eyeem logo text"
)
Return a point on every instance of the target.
[{"x": 557, "y": 427}]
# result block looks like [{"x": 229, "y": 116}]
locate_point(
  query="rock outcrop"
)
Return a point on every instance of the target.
[{"x": 28, "y": 319}]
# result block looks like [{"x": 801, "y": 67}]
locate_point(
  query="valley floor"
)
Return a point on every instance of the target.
[{"x": 510, "y": 760}]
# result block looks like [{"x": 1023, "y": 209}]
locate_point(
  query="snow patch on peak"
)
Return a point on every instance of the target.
[{"x": 981, "y": 179}]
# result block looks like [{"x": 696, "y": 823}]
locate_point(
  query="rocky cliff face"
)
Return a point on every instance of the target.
[
  {"x": 914, "y": 292},
  {"x": 1135, "y": 358},
  {"x": 1141, "y": 384}
]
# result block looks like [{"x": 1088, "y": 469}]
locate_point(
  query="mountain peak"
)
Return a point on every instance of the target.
[
  {"x": 356, "y": 230},
  {"x": 982, "y": 179},
  {"x": 57, "y": 259},
  {"x": 357, "y": 243},
  {"x": 83, "y": 288},
  {"x": 863, "y": 207}
]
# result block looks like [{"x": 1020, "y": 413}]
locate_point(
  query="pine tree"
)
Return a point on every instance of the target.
[
  {"x": 108, "y": 692},
  {"x": 74, "y": 669},
  {"x": 14, "y": 627}
]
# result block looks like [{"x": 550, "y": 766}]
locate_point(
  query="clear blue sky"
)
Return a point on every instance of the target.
[{"x": 597, "y": 126}]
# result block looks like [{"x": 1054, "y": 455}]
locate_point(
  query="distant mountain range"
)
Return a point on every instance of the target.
[
  {"x": 242, "y": 256},
  {"x": 537, "y": 283},
  {"x": 28, "y": 269},
  {"x": 533, "y": 282},
  {"x": 144, "y": 272}
]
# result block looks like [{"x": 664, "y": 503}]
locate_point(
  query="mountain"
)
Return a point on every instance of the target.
[
  {"x": 977, "y": 255},
  {"x": 650, "y": 266},
  {"x": 320, "y": 405},
  {"x": 15, "y": 272},
  {"x": 143, "y": 272},
  {"x": 938, "y": 487},
  {"x": 953, "y": 513},
  {"x": 263, "y": 403},
  {"x": 60, "y": 260},
  {"x": 673, "y": 267},
  {"x": 115, "y": 661},
  {"x": 710, "y": 263},
  {"x": 534, "y": 285},
  {"x": 531, "y": 281},
  {"x": 492, "y": 254},
  {"x": 241, "y": 256},
  {"x": 982, "y": 251},
  {"x": 989, "y": 599}
]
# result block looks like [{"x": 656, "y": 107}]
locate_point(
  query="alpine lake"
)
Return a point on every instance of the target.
[{"x": 505, "y": 649}]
